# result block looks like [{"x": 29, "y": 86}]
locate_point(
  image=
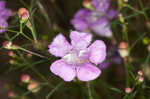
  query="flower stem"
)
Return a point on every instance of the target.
[
  {"x": 32, "y": 28},
  {"x": 21, "y": 27},
  {"x": 33, "y": 34},
  {"x": 45, "y": 14},
  {"x": 19, "y": 32},
  {"x": 89, "y": 90},
  {"x": 36, "y": 54},
  {"x": 142, "y": 7},
  {"x": 127, "y": 72}
]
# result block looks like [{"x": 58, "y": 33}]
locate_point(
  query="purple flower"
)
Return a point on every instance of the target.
[
  {"x": 3, "y": 24},
  {"x": 2, "y": 4},
  {"x": 111, "y": 14},
  {"x": 4, "y": 15},
  {"x": 77, "y": 58},
  {"x": 101, "y": 5},
  {"x": 80, "y": 22},
  {"x": 101, "y": 27},
  {"x": 112, "y": 56},
  {"x": 95, "y": 20}
]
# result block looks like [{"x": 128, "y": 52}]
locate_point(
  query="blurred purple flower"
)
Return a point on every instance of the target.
[
  {"x": 101, "y": 5},
  {"x": 96, "y": 20},
  {"x": 2, "y": 4},
  {"x": 77, "y": 57},
  {"x": 101, "y": 27},
  {"x": 3, "y": 24},
  {"x": 80, "y": 22},
  {"x": 4, "y": 15},
  {"x": 112, "y": 56}
]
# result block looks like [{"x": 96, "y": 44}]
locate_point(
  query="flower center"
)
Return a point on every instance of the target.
[
  {"x": 75, "y": 57},
  {"x": 93, "y": 17}
]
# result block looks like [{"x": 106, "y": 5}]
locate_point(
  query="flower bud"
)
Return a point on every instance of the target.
[
  {"x": 128, "y": 90},
  {"x": 34, "y": 86},
  {"x": 121, "y": 18},
  {"x": 87, "y": 4},
  {"x": 123, "y": 49},
  {"x": 9, "y": 45},
  {"x": 25, "y": 78},
  {"x": 126, "y": 1},
  {"x": 140, "y": 73},
  {"x": 11, "y": 94},
  {"x": 146, "y": 40},
  {"x": 11, "y": 54},
  {"x": 11, "y": 61},
  {"x": 141, "y": 79},
  {"x": 23, "y": 13}
]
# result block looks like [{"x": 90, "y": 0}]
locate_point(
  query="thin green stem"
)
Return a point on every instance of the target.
[
  {"x": 143, "y": 9},
  {"x": 89, "y": 90},
  {"x": 146, "y": 62},
  {"x": 36, "y": 54},
  {"x": 26, "y": 37},
  {"x": 42, "y": 76},
  {"x": 45, "y": 14},
  {"x": 127, "y": 73},
  {"x": 21, "y": 30},
  {"x": 14, "y": 36},
  {"x": 32, "y": 28},
  {"x": 19, "y": 33},
  {"x": 132, "y": 8},
  {"x": 140, "y": 38},
  {"x": 125, "y": 32},
  {"x": 7, "y": 36},
  {"x": 54, "y": 90},
  {"x": 33, "y": 34}
]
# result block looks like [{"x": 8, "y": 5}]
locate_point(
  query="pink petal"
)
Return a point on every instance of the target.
[
  {"x": 82, "y": 13},
  {"x": 102, "y": 27},
  {"x": 63, "y": 70},
  {"x": 80, "y": 40},
  {"x": 80, "y": 24},
  {"x": 97, "y": 52},
  {"x": 59, "y": 47},
  {"x": 88, "y": 72}
]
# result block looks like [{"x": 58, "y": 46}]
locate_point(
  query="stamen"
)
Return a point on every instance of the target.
[{"x": 75, "y": 57}]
